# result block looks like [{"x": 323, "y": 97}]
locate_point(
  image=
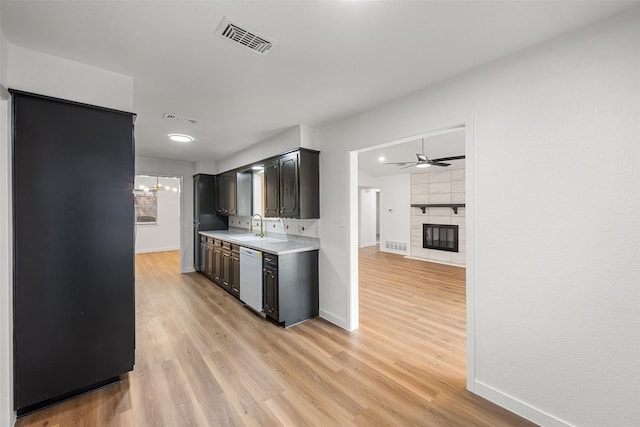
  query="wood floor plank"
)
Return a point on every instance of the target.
[{"x": 202, "y": 359}]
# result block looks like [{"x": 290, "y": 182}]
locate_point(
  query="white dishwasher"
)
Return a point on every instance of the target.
[{"x": 251, "y": 278}]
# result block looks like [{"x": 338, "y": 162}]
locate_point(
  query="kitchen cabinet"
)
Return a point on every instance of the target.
[
  {"x": 235, "y": 271},
  {"x": 290, "y": 287},
  {"x": 205, "y": 217},
  {"x": 227, "y": 196},
  {"x": 206, "y": 257},
  {"x": 272, "y": 189},
  {"x": 270, "y": 286},
  {"x": 217, "y": 262},
  {"x": 292, "y": 185},
  {"x": 225, "y": 275}
]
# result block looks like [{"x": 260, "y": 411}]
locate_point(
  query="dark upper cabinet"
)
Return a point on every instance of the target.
[
  {"x": 292, "y": 184},
  {"x": 272, "y": 189},
  {"x": 227, "y": 189},
  {"x": 289, "y": 186}
]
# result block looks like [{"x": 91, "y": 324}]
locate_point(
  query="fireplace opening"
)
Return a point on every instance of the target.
[{"x": 440, "y": 236}]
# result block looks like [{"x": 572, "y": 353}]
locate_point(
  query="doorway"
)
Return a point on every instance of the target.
[
  {"x": 157, "y": 201},
  {"x": 355, "y": 175}
]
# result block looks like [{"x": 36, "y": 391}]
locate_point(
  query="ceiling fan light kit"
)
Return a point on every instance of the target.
[{"x": 424, "y": 161}]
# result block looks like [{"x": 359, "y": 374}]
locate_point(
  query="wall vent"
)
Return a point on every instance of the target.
[
  {"x": 244, "y": 36},
  {"x": 179, "y": 118},
  {"x": 396, "y": 246}
]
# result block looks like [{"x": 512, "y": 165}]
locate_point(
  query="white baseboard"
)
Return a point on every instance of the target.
[
  {"x": 435, "y": 261},
  {"x": 188, "y": 270},
  {"x": 146, "y": 251},
  {"x": 517, "y": 406},
  {"x": 367, "y": 244},
  {"x": 338, "y": 321}
]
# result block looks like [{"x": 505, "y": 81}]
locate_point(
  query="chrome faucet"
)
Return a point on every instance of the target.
[{"x": 261, "y": 225}]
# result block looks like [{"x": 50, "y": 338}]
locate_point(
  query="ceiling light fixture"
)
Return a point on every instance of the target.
[
  {"x": 177, "y": 137},
  {"x": 381, "y": 158},
  {"x": 423, "y": 165}
]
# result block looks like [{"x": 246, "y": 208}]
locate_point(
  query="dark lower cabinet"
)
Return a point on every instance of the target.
[
  {"x": 270, "y": 283},
  {"x": 290, "y": 287},
  {"x": 217, "y": 262},
  {"x": 235, "y": 271},
  {"x": 225, "y": 276}
]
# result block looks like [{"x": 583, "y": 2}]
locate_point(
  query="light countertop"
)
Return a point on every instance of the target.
[{"x": 274, "y": 244}]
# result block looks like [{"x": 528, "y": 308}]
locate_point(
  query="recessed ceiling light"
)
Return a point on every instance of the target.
[
  {"x": 177, "y": 137},
  {"x": 257, "y": 168},
  {"x": 381, "y": 158},
  {"x": 423, "y": 165}
]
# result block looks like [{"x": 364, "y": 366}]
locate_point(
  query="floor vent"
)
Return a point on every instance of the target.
[
  {"x": 396, "y": 246},
  {"x": 179, "y": 118},
  {"x": 244, "y": 37}
]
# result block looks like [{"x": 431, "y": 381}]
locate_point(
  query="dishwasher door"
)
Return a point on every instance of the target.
[{"x": 251, "y": 278}]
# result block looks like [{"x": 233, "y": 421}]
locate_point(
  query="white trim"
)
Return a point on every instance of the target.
[
  {"x": 470, "y": 252},
  {"x": 146, "y": 251},
  {"x": 7, "y": 414},
  {"x": 518, "y": 406},
  {"x": 368, "y": 244},
  {"x": 353, "y": 220},
  {"x": 417, "y": 258},
  {"x": 188, "y": 270},
  {"x": 336, "y": 320}
]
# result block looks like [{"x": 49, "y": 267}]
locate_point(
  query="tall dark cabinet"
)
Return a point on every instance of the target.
[
  {"x": 73, "y": 224},
  {"x": 205, "y": 214}
]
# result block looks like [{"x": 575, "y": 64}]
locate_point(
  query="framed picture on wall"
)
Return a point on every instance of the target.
[{"x": 146, "y": 206}]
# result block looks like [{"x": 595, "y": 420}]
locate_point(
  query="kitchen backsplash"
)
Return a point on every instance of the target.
[{"x": 296, "y": 227}]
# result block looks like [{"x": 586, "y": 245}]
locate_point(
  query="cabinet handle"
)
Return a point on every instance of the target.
[{"x": 268, "y": 259}]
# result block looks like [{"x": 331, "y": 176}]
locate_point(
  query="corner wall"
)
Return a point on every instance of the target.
[{"x": 554, "y": 277}]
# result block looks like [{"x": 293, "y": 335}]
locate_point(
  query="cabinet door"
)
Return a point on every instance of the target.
[
  {"x": 209, "y": 262},
  {"x": 289, "y": 186},
  {"x": 217, "y": 265},
  {"x": 232, "y": 196},
  {"x": 235, "y": 275},
  {"x": 225, "y": 277},
  {"x": 271, "y": 190},
  {"x": 270, "y": 281}
]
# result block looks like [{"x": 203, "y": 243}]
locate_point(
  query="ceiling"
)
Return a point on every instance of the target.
[
  {"x": 443, "y": 145},
  {"x": 332, "y": 58}
]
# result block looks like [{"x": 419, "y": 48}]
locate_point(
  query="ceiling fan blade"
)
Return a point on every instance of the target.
[
  {"x": 396, "y": 163},
  {"x": 442, "y": 159},
  {"x": 409, "y": 166},
  {"x": 439, "y": 164}
]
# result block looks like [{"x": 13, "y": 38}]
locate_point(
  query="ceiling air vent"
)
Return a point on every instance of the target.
[
  {"x": 179, "y": 118},
  {"x": 244, "y": 36}
]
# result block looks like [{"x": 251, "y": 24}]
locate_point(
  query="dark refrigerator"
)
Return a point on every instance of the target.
[
  {"x": 73, "y": 222},
  {"x": 205, "y": 215}
]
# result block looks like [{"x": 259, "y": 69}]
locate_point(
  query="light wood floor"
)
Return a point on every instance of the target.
[{"x": 202, "y": 359}]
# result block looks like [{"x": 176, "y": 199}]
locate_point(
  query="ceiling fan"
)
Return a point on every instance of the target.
[{"x": 424, "y": 161}]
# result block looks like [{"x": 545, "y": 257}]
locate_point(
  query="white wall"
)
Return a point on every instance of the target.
[
  {"x": 7, "y": 416},
  {"x": 33, "y": 71},
  {"x": 176, "y": 168},
  {"x": 45, "y": 74},
  {"x": 554, "y": 280},
  {"x": 368, "y": 216},
  {"x": 395, "y": 209},
  {"x": 164, "y": 235},
  {"x": 292, "y": 138}
]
